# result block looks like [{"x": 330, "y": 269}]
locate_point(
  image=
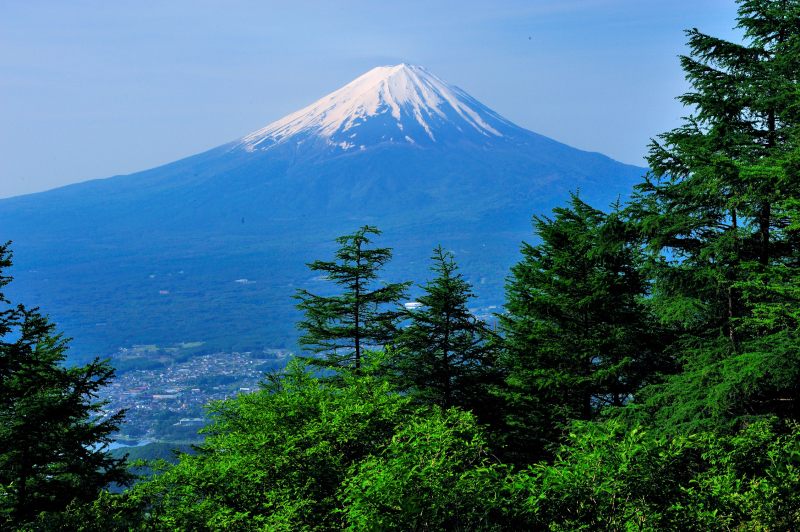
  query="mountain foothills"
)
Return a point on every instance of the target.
[
  {"x": 643, "y": 375},
  {"x": 152, "y": 257}
]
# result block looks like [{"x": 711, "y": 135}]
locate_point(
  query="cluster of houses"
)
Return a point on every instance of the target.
[{"x": 149, "y": 394}]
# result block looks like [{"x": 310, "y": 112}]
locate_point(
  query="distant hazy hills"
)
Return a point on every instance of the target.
[{"x": 154, "y": 257}]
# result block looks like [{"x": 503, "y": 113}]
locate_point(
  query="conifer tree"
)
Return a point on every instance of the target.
[
  {"x": 52, "y": 432},
  {"x": 578, "y": 335},
  {"x": 721, "y": 203},
  {"x": 363, "y": 316},
  {"x": 444, "y": 353}
]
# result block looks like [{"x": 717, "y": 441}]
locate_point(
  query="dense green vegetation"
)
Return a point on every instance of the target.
[
  {"x": 51, "y": 432},
  {"x": 645, "y": 375}
]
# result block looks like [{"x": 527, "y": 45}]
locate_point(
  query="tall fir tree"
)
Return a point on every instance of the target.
[
  {"x": 444, "y": 354},
  {"x": 721, "y": 202},
  {"x": 363, "y": 316},
  {"x": 53, "y": 432},
  {"x": 579, "y": 336}
]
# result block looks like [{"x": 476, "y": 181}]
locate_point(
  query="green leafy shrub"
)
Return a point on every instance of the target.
[
  {"x": 275, "y": 460},
  {"x": 435, "y": 474},
  {"x": 612, "y": 477}
]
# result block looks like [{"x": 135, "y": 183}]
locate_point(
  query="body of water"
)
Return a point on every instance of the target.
[{"x": 117, "y": 445}]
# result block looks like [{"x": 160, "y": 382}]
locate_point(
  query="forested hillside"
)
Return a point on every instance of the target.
[{"x": 644, "y": 375}]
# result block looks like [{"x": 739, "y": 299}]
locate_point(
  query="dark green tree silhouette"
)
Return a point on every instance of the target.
[
  {"x": 444, "y": 355},
  {"x": 52, "y": 431},
  {"x": 363, "y": 315},
  {"x": 721, "y": 202},
  {"x": 579, "y": 337}
]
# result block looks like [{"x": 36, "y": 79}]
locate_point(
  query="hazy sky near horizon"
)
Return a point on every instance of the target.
[{"x": 94, "y": 89}]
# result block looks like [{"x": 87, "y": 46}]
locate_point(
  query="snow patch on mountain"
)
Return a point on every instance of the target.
[{"x": 414, "y": 98}]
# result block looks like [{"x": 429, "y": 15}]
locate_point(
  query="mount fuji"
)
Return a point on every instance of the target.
[{"x": 212, "y": 247}]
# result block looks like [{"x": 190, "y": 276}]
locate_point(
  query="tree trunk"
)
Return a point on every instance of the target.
[
  {"x": 356, "y": 336},
  {"x": 732, "y": 298},
  {"x": 446, "y": 351},
  {"x": 22, "y": 493},
  {"x": 765, "y": 212}
]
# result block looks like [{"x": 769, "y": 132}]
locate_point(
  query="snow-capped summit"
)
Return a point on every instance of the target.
[{"x": 390, "y": 104}]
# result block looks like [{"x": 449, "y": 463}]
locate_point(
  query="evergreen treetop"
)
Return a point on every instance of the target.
[
  {"x": 444, "y": 351},
  {"x": 579, "y": 336},
  {"x": 363, "y": 315}
]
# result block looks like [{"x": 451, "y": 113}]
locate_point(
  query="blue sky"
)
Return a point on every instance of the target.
[{"x": 94, "y": 89}]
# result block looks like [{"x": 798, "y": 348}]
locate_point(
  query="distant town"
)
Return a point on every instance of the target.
[{"x": 165, "y": 389}]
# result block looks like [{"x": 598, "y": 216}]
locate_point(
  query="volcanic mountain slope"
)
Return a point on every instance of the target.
[{"x": 154, "y": 257}]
